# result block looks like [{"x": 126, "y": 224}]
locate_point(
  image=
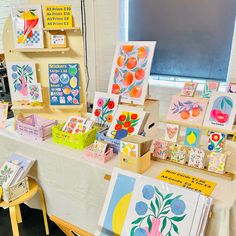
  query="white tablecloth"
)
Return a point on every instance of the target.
[{"x": 75, "y": 188}]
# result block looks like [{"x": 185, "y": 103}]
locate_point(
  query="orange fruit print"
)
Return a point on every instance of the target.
[{"x": 130, "y": 71}]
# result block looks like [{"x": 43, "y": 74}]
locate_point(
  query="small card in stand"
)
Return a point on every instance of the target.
[{"x": 100, "y": 146}]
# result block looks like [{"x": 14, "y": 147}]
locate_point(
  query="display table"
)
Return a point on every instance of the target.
[{"x": 75, "y": 188}]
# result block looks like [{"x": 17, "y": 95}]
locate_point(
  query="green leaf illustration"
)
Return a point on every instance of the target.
[
  {"x": 149, "y": 222},
  {"x": 138, "y": 220},
  {"x": 132, "y": 230},
  {"x": 168, "y": 196},
  {"x": 163, "y": 225},
  {"x": 222, "y": 104},
  {"x": 178, "y": 218},
  {"x": 157, "y": 203},
  {"x": 175, "y": 228},
  {"x": 165, "y": 212},
  {"x": 229, "y": 102},
  {"x": 159, "y": 193},
  {"x": 153, "y": 208}
]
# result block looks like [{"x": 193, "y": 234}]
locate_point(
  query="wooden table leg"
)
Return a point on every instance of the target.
[
  {"x": 14, "y": 224},
  {"x": 67, "y": 232},
  {"x": 18, "y": 214},
  {"x": 42, "y": 200}
]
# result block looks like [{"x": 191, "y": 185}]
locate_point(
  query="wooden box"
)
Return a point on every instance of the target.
[{"x": 138, "y": 165}]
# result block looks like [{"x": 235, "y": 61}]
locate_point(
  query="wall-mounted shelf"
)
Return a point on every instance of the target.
[
  {"x": 62, "y": 29},
  {"x": 41, "y": 50}
]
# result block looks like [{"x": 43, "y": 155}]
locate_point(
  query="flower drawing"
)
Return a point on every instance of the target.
[
  {"x": 5, "y": 174},
  {"x": 157, "y": 214}
]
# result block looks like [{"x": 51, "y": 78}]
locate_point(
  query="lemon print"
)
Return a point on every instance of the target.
[
  {"x": 191, "y": 138},
  {"x": 126, "y": 150},
  {"x": 27, "y": 15},
  {"x": 120, "y": 213},
  {"x": 73, "y": 82}
]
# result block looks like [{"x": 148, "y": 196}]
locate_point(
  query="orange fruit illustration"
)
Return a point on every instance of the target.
[
  {"x": 115, "y": 88},
  {"x": 121, "y": 60},
  {"x": 139, "y": 74},
  {"x": 196, "y": 111},
  {"x": 132, "y": 62},
  {"x": 142, "y": 53},
  {"x": 127, "y": 48},
  {"x": 128, "y": 78},
  {"x": 136, "y": 92},
  {"x": 185, "y": 115}
]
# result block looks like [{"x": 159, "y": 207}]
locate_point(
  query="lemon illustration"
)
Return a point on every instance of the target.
[
  {"x": 126, "y": 150},
  {"x": 73, "y": 82},
  {"x": 191, "y": 138},
  {"x": 29, "y": 15}
]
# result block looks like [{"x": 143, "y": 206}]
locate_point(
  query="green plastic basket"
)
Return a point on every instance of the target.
[{"x": 78, "y": 141}]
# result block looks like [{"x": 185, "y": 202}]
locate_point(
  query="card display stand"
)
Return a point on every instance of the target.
[
  {"x": 74, "y": 53},
  {"x": 77, "y": 141}
]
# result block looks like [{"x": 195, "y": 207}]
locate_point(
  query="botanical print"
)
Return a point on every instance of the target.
[
  {"x": 130, "y": 71},
  {"x": 210, "y": 86},
  {"x": 221, "y": 111},
  {"x": 100, "y": 146},
  {"x": 72, "y": 122},
  {"x": 192, "y": 137},
  {"x": 28, "y": 26},
  {"x": 196, "y": 158},
  {"x": 116, "y": 204},
  {"x": 64, "y": 84},
  {"x": 231, "y": 88},
  {"x": 178, "y": 153},
  {"x": 217, "y": 162},
  {"x": 35, "y": 92},
  {"x": 189, "y": 89},
  {"x": 129, "y": 149},
  {"x": 187, "y": 110},
  {"x": 159, "y": 148},
  {"x": 171, "y": 132},
  {"x": 216, "y": 141},
  {"x": 127, "y": 121},
  {"x": 104, "y": 107},
  {"x": 20, "y": 76},
  {"x": 7, "y": 173}
]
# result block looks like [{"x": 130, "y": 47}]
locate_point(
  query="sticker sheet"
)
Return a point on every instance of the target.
[
  {"x": 72, "y": 124},
  {"x": 130, "y": 71},
  {"x": 64, "y": 84}
]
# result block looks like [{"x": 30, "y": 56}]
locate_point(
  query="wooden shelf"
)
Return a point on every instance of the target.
[
  {"x": 62, "y": 29},
  {"x": 26, "y": 107},
  {"x": 226, "y": 175},
  {"x": 185, "y": 124},
  {"x": 41, "y": 50},
  {"x": 68, "y": 107}
]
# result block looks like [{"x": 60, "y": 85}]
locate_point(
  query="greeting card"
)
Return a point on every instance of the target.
[
  {"x": 27, "y": 26},
  {"x": 64, "y": 84},
  {"x": 196, "y": 158},
  {"x": 159, "y": 148},
  {"x": 210, "y": 86},
  {"x": 178, "y": 153},
  {"x": 35, "y": 93},
  {"x": 189, "y": 89},
  {"x": 231, "y": 88},
  {"x": 187, "y": 110},
  {"x": 20, "y": 76},
  {"x": 100, "y": 146},
  {"x": 217, "y": 162},
  {"x": 221, "y": 111},
  {"x": 192, "y": 137},
  {"x": 127, "y": 121},
  {"x": 72, "y": 124},
  {"x": 171, "y": 132},
  {"x": 130, "y": 71},
  {"x": 129, "y": 149},
  {"x": 104, "y": 107},
  {"x": 216, "y": 141}
]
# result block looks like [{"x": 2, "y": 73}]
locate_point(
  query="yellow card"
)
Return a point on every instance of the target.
[
  {"x": 0, "y": 194},
  {"x": 187, "y": 181},
  {"x": 58, "y": 16}
]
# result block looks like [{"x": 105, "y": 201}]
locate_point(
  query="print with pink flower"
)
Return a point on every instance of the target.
[
  {"x": 104, "y": 111},
  {"x": 159, "y": 214}
]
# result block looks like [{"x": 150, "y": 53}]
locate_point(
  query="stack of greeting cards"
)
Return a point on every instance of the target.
[
  {"x": 14, "y": 170},
  {"x": 138, "y": 205}
]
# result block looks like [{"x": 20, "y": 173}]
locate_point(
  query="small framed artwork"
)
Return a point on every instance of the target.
[
  {"x": 57, "y": 39},
  {"x": 129, "y": 149},
  {"x": 172, "y": 132},
  {"x": 231, "y": 88},
  {"x": 221, "y": 111},
  {"x": 130, "y": 71},
  {"x": 216, "y": 142},
  {"x": 192, "y": 137},
  {"x": 196, "y": 158},
  {"x": 104, "y": 107},
  {"x": 217, "y": 162},
  {"x": 209, "y": 87},
  {"x": 159, "y": 148},
  {"x": 35, "y": 92},
  {"x": 189, "y": 89},
  {"x": 189, "y": 110},
  {"x": 178, "y": 153}
]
